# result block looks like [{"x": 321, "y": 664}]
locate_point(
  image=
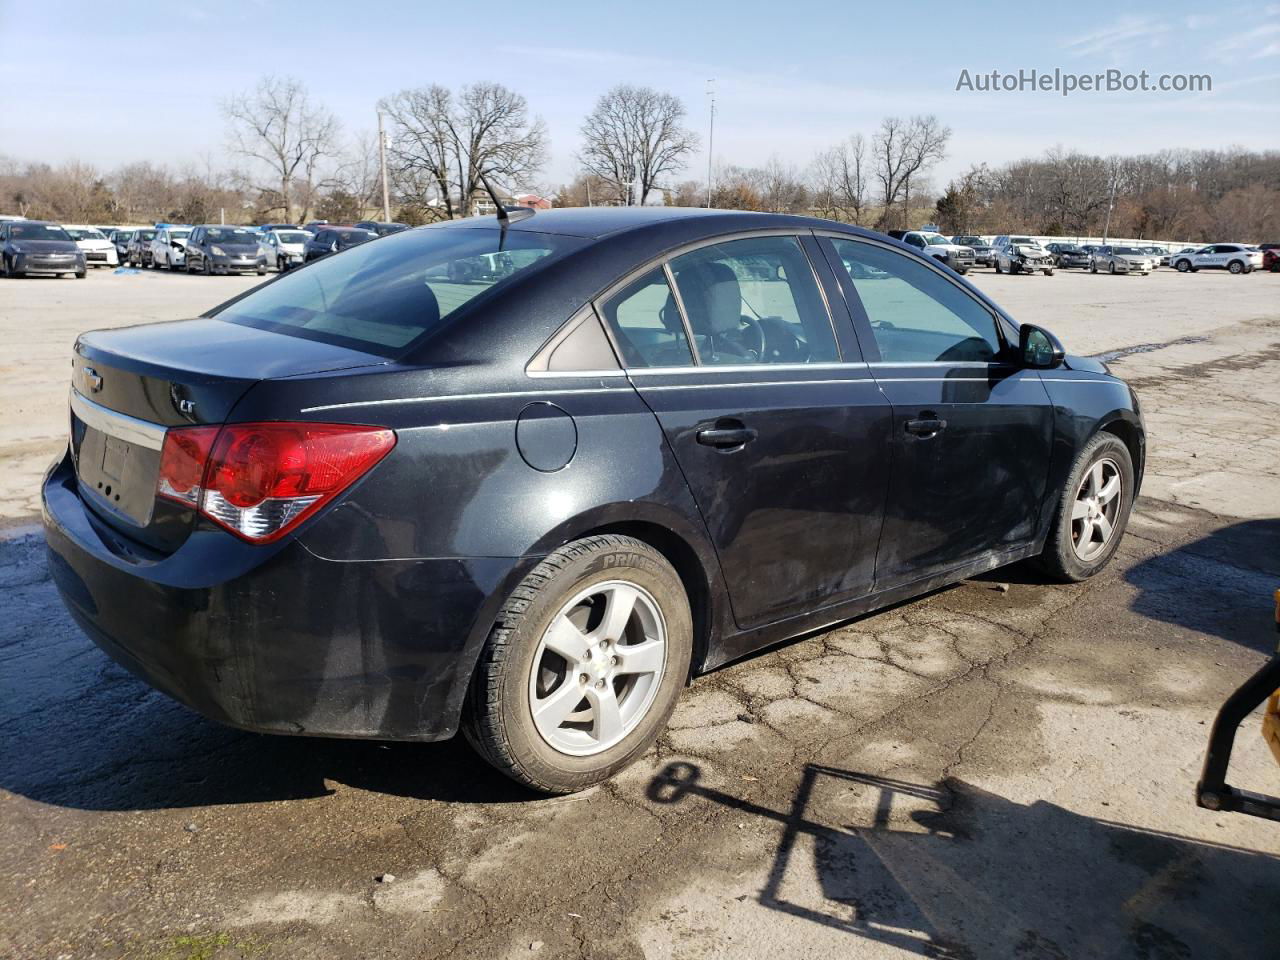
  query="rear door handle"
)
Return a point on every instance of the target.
[
  {"x": 925, "y": 428},
  {"x": 723, "y": 438}
]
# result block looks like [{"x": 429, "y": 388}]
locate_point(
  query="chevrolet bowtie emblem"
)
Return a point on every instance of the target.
[{"x": 92, "y": 379}]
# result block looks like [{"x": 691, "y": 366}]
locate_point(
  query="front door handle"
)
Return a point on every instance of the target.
[
  {"x": 926, "y": 428},
  {"x": 726, "y": 436}
]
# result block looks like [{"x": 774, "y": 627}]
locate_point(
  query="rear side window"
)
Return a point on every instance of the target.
[
  {"x": 647, "y": 325},
  {"x": 382, "y": 297},
  {"x": 916, "y": 314},
  {"x": 754, "y": 300}
]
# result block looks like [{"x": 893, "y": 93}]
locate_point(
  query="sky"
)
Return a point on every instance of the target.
[{"x": 143, "y": 81}]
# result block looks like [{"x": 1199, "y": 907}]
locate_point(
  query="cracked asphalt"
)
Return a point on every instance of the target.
[{"x": 1000, "y": 769}]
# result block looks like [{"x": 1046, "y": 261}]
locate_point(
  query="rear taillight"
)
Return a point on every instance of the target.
[{"x": 260, "y": 480}]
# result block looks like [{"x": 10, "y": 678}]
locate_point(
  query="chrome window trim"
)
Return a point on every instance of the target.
[
  {"x": 141, "y": 433},
  {"x": 684, "y": 316}
]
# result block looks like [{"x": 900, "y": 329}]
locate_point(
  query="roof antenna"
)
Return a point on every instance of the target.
[{"x": 506, "y": 216}]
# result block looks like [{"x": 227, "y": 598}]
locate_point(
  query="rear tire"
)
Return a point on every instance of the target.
[
  {"x": 1235, "y": 266},
  {"x": 558, "y": 602},
  {"x": 998, "y": 268},
  {"x": 1067, "y": 555}
]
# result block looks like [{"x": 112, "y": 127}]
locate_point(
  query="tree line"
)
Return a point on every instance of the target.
[{"x": 288, "y": 159}]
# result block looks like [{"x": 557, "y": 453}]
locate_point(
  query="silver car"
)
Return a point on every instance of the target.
[
  {"x": 1114, "y": 259},
  {"x": 1022, "y": 255},
  {"x": 288, "y": 248}
]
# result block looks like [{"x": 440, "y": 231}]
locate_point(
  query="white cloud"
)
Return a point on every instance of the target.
[
  {"x": 1255, "y": 44},
  {"x": 1121, "y": 36}
]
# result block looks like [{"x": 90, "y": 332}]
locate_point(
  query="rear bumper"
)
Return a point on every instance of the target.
[{"x": 276, "y": 639}]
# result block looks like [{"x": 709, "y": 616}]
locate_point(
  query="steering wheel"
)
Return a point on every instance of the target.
[{"x": 758, "y": 331}]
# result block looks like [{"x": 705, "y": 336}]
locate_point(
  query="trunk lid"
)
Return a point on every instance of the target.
[{"x": 128, "y": 386}]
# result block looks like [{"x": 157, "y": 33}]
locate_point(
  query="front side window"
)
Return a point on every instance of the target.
[
  {"x": 754, "y": 301},
  {"x": 646, "y": 323},
  {"x": 383, "y": 297},
  {"x": 916, "y": 314}
]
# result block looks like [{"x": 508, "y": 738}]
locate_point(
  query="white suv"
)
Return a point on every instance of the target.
[{"x": 1236, "y": 257}]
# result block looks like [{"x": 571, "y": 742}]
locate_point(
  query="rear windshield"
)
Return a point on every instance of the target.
[{"x": 382, "y": 297}]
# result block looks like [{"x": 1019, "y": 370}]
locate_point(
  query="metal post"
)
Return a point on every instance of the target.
[
  {"x": 711, "y": 134},
  {"x": 382, "y": 162},
  {"x": 1111, "y": 205}
]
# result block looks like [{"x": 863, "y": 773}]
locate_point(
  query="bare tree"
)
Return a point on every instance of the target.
[
  {"x": 277, "y": 125},
  {"x": 633, "y": 137},
  {"x": 840, "y": 178},
  {"x": 493, "y": 137},
  {"x": 443, "y": 144},
  {"x": 905, "y": 149}
]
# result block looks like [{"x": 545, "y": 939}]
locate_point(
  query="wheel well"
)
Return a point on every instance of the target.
[
  {"x": 692, "y": 574},
  {"x": 1128, "y": 434}
]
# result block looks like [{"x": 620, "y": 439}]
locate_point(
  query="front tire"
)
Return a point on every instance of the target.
[
  {"x": 1092, "y": 511},
  {"x": 998, "y": 268},
  {"x": 583, "y": 666}
]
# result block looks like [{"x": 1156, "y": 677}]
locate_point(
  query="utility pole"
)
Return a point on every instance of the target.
[
  {"x": 1111, "y": 205},
  {"x": 382, "y": 162},
  {"x": 711, "y": 134}
]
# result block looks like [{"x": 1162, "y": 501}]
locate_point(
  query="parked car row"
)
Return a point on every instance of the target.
[
  {"x": 222, "y": 249},
  {"x": 1024, "y": 254}
]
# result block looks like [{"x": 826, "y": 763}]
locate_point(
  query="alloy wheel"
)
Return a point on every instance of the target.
[
  {"x": 1095, "y": 509},
  {"x": 598, "y": 668}
]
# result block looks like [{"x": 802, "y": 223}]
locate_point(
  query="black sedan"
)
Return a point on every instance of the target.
[
  {"x": 30, "y": 247},
  {"x": 1067, "y": 255},
  {"x": 219, "y": 249},
  {"x": 335, "y": 239},
  {"x": 526, "y": 480}
]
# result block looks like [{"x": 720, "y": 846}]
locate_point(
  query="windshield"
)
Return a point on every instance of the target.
[
  {"x": 179, "y": 234},
  {"x": 1131, "y": 251},
  {"x": 1069, "y": 248},
  {"x": 382, "y": 297},
  {"x": 83, "y": 233},
  {"x": 935, "y": 239},
  {"x": 37, "y": 231},
  {"x": 1025, "y": 241},
  {"x": 292, "y": 236},
  {"x": 971, "y": 241},
  {"x": 145, "y": 235},
  {"x": 233, "y": 235}
]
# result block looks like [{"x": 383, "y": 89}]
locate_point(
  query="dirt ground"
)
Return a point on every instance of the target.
[{"x": 984, "y": 772}]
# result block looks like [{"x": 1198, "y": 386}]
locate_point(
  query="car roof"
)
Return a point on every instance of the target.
[{"x": 597, "y": 222}]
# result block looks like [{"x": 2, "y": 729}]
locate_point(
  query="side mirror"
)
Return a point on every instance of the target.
[{"x": 1039, "y": 349}]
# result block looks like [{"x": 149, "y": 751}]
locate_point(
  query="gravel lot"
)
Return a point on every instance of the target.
[{"x": 985, "y": 772}]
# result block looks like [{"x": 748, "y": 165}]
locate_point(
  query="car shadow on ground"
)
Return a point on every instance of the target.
[
  {"x": 79, "y": 731},
  {"x": 954, "y": 871},
  {"x": 1220, "y": 585}
]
